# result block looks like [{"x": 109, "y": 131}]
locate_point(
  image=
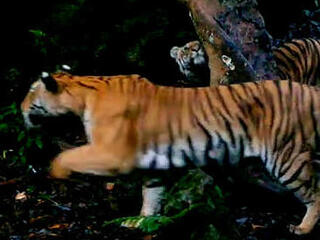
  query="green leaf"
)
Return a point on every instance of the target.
[
  {"x": 21, "y": 136},
  {"x": 29, "y": 143},
  {"x": 39, "y": 142},
  {"x": 21, "y": 151},
  {"x": 4, "y": 127},
  {"x": 37, "y": 33},
  {"x": 23, "y": 160},
  {"x": 153, "y": 223},
  {"x": 31, "y": 189},
  {"x": 44, "y": 196},
  {"x": 218, "y": 190}
]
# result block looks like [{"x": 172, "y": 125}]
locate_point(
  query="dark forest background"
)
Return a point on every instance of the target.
[
  {"x": 109, "y": 37},
  {"x": 97, "y": 38}
]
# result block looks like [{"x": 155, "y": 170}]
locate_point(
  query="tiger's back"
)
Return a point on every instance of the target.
[{"x": 239, "y": 117}]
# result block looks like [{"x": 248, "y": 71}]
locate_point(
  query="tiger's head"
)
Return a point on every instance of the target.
[
  {"x": 192, "y": 61},
  {"x": 47, "y": 97}
]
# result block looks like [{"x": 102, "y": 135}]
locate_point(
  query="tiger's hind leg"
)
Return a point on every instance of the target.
[
  {"x": 297, "y": 174},
  {"x": 310, "y": 219}
]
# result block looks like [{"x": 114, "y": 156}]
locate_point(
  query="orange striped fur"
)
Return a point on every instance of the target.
[
  {"x": 299, "y": 60},
  {"x": 132, "y": 123}
]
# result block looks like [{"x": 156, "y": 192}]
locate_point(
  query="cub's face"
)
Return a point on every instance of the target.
[
  {"x": 44, "y": 99},
  {"x": 189, "y": 56}
]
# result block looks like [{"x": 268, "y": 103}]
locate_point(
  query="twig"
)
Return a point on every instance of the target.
[{"x": 12, "y": 181}]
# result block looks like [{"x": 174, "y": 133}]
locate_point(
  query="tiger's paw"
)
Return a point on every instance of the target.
[
  {"x": 57, "y": 171},
  {"x": 298, "y": 230}
]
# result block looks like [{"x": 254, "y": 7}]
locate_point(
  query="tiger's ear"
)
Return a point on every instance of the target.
[
  {"x": 174, "y": 52},
  {"x": 197, "y": 45},
  {"x": 50, "y": 83}
]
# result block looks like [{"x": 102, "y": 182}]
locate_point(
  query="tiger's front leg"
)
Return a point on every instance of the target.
[
  {"x": 152, "y": 195},
  {"x": 98, "y": 160}
]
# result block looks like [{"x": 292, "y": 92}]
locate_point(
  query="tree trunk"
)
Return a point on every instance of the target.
[{"x": 235, "y": 39}]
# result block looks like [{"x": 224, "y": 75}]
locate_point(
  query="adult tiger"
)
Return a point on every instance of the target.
[
  {"x": 298, "y": 60},
  {"x": 132, "y": 123}
]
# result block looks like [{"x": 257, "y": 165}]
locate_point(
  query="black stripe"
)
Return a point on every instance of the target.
[
  {"x": 303, "y": 48},
  {"x": 153, "y": 163},
  {"x": 299, "y": 55},
  {"x": 314, "y": 63},
  {"x": 192, "y": 150},
  {"x": 170, "y": 144},
  {"x": 295, "y": 63},
  {"x": 134, "y": 86},
  {"x": 285, "y": 155},
  {"x": 170, "y": 153},
  {"x": 229, "y": 129},
  {"x": 209, "y": 140},
  {"x": 317, "y": 64},
  {"x": 211, "y": 107},
  {"x": 156, "y": 146},
  {"x": 240, "y": 102},
  {"x": 265, "y": 155},
  {"x": 288, "y": 153},
  {"x": 194, "y": 118},
  {"x": 270, "y": 100},
  {"x": 121, "y": 85},
  {"x": 144, "y": 148},
  {"x": 221, "y": 99},
  {"x": 307, "y": 55},
  {"x": 241, "y": 146},
  {"x": 244, "y": 88},
  {"x": 296, "y": 189},
  {"x": 287, "y": 113},
  {"x": 257, "y": 100},
  {"x": 275, "y": 164},
  {"x": 275, "y": 144},
  {"x": 314, "y": 121},
  {"x": 279, "y": 91},
  {"x": 300, "y": 121},
  {"x": 179, "y": 118},
  {"x": 295, "y": 175},
  {"x": 279, "y": 126},
  {"x": 39, "y": 108},
  {"x": 186, "y": 158},
  {"x": 245, "y": 129},
  {"x": 226, "y": 157},
  {"x": 87, "y": 86},
  {"x": 302, "y": 51},
  {"x": 205, "y": 115},
  {"x": 285, "y": 62}
]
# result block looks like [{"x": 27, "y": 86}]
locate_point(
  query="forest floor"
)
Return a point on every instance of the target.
[{"x": 37, "y": 207}]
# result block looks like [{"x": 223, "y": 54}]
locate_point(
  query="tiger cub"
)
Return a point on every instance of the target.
[
  {"x": 131, "y": 123},
  {"x": 297, "y": 60},
  {"x": 192, "y": 61}
]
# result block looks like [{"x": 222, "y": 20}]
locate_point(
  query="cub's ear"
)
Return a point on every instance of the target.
[
  {"x": 174, "y": 52},
  {"x": 50, "y": 83},
  {"x": 196, "y": 45}
]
